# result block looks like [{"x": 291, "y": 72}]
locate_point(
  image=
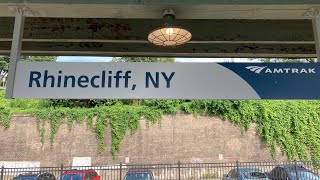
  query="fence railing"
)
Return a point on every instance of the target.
[
  {"x": 3, "y": 84},
  {"x": 303, "y": 170}
]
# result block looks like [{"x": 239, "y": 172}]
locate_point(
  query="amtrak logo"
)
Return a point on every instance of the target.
[
  {"x": 266, "y": 70},
  {"x": 256, "y": 69}
]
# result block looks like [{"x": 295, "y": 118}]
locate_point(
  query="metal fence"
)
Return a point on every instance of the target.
[
  {"x": 3, "y": 84},
  {"x": 182, "y": 171}
]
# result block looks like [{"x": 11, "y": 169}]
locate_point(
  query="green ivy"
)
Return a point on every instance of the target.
[{"x": 294, "y": 126}]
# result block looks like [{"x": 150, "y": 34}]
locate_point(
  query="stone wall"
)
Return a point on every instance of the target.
[{"x": 177, "y": 138}]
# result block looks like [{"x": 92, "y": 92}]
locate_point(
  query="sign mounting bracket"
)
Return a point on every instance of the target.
[{"x": 314, "y": 13}]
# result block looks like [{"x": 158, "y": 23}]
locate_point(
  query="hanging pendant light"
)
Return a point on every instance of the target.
[{"x": 169, "y": 35}]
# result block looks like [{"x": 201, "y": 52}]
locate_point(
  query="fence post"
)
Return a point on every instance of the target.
[
  {"x": 61, "y": 171},
  {"x": 120, "y": 171},
  {"x": 295, "y": 169},
  {"x": 238, "y": 170},
  {"x": 179, "y": 170},
  {"x": 313, "y": 163},
  {"x": 2, "y": 172}
]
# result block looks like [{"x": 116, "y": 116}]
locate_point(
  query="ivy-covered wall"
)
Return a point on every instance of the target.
[
  {"x": 294, "y": 126},
  {"x": 180, "y": 137}
]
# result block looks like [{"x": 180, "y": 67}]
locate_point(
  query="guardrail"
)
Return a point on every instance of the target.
[{"x": 303, "y": 170}]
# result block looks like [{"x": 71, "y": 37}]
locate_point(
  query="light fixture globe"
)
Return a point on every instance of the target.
[{"x": 169, "y": 35}]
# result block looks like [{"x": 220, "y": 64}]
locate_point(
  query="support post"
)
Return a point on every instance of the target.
[
  {"x": 120, "y": 171},
  {"x": 61, "y": 171},
  {"x": 15, "y": 51},
  {"x": 179, "y": 170},
  {"x": 238, "y": 170},
  {"x": 295, "y": 167},
  {"x": 316, "y": 31}
]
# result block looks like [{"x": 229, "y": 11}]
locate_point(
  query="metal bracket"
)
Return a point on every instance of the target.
[
  {"x": 316, "y": 31},
  {"x": 168, "y": 12},
  {"x": 312, "y": 12},
  {"x": 27, "y": 11}
]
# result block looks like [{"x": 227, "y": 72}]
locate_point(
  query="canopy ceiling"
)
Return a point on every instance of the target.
[{"x": 220, "y": 28}]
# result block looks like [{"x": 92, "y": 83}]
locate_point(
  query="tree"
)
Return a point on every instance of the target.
[
  {"x": 39, "y": 58},
  {"x": 288, "y": 60},
  {"x": 4, "y": 62},
  {"x": 142, "y": 59}
]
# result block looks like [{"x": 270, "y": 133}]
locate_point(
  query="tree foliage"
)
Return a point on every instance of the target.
[
  {"x": 287, "y": 60},
  {"x": 4, "y": 62},
  {"x": 39, "y": 58},
  {"x": 142, "y": 59}
]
